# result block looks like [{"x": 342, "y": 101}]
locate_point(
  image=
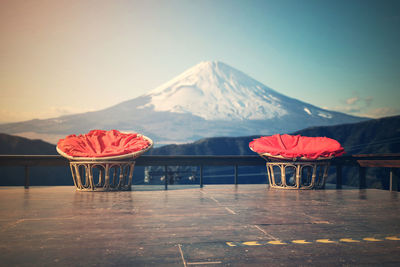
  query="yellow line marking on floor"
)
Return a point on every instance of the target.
[
  {"x": 372, "y": 239},
  {"x": 348, "y": 240},
  {"x": 277, "y": 242},
  {"x": 325, "y": 241},
  {"x": 231, "y": 211},
  {"x": 316, "y": 220},
  {"x": 265, "y": 232},
  {"x": 204, "y": 262},
  {"x": 301, "y": 241},
  {"x": 251, "y": 243},
  {"x": 183, "y": 258},
  {"x": 230, "y": 244},
  {"x": 320, "y": 222},
  {"x": 392, "y": 238},
  {"x": 304, "y": 242}
]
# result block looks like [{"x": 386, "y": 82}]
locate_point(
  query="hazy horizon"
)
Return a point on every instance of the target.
[{"x": 65, "y": 57}]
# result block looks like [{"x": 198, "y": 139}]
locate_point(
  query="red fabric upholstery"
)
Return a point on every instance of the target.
[
  {"x": 100, "y": 143},
  {"x": 297, "y": 146}
]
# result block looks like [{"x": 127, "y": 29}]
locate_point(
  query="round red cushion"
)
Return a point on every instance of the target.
[
  {"x": 296, "y": 146},
  {"x": 100, "y": 143}
]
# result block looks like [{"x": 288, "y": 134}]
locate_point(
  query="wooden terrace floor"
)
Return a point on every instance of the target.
[{"x": 218, "y": 225}]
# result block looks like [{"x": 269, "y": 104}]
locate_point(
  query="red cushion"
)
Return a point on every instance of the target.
[
  {"x": 100, "y": 143},
  {"x": 297, "y": 146}
]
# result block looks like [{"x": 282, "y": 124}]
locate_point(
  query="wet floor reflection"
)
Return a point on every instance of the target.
[
  {"x": 103, "y": 200},
  {"x": 362, "y": 194}
]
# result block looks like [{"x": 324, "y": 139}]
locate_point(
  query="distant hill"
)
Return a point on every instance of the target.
[
  {"x": 369, "y": 137},
  {"x": 372, "y": 136},
  {"x": 14, "y": 175},
  {"x": 39, "y": 175},
  {"x": 209, "y": 146},
  {"x": 15, "y": 145}
]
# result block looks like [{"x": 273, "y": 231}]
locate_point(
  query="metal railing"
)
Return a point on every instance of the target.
[{"x": 361, "y": 161}]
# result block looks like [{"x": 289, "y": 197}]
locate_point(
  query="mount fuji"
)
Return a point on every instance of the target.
[
  {"x": 215, "y": 91},
  {"x": 209, "y": 99}
]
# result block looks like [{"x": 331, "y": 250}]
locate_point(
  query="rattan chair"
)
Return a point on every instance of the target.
[
  {"x": 103, "y": 166},
  {"x": 288, "y": 167}
]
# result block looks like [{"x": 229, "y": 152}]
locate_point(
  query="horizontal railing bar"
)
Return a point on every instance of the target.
[
  {"x": 180, "y": 160},
  {"x": 184, "y": 160},
  {"x": 33, "y": 160}
]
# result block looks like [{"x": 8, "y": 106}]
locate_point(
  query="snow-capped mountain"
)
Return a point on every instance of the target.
[
  {"x": 209, "y": 99},
  {"x": 213, "y": 90}
]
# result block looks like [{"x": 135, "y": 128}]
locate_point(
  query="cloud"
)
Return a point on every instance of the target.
[
  {"x": 359, "y": 101},
  {"x": 345, "y": 109},
  {"x": 66, "y": 110},
  {"x": 382, "y": 112},
  {"x": 360, "y": 106},
  {"x": 364, "y": 111},
  {"x": 7, "y": 116},
  {"x": 354, "y": 105},
  {"x": 13, "y": 116},
  {"x": 368, "y": 100},
  {"x": 352, "y": 100}
]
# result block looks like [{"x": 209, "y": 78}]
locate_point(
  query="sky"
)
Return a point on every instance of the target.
[{"x": 60, "y": 57}]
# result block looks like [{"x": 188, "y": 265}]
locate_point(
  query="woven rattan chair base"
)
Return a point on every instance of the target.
[
  {"x": 102, "y": 175},
  {"x": 297, "y": 174}
]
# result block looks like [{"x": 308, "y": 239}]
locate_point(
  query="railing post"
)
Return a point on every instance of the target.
[
  {"x": 394, "y": 186},
  {"x": 391, "y": 180},
  {"x": 236, "y": 174},
  {"x": 339, "y": 177},
  {"x": 26, "y": 182},
  {"x": 166, "y": 177},
  {"x": 362, "y": 177},
  {"x": 201, "y": 176}
]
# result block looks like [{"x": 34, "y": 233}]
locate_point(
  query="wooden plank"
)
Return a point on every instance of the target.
[{"x": 379, "y": 163}]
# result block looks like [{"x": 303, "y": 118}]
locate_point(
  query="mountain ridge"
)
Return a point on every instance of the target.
[
  {"x": 24, "y": 146},
  {"x": 209, "y": 99},
  {"x": 371, "y": 136},
  {"x": 218, "y": 91}
]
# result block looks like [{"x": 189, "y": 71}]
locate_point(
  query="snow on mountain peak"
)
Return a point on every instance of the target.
[{"x": 215, "y": 91}]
